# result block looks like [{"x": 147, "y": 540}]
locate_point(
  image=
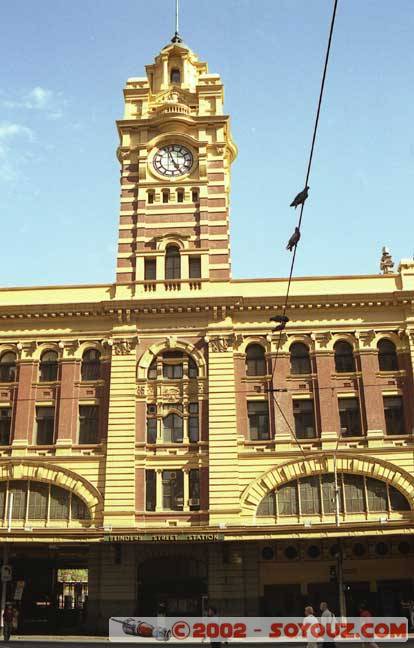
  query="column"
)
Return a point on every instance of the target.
[
  {"x": 24, "y": 414},
  {"x": 67, "y": 407},
  {"x": 371, "y": 391},
  {"x": 406, "y": 362},
  {"x": 120, "y": 461},
  {"x": 186, "y": 493},
  {"x": 223, "y": 450},
  {"x": 282, "y": 421},
  {"x": 158, "y": 490},
  {"x": 326, "y": 406}
]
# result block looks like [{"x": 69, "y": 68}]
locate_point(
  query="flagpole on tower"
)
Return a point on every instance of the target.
[{"x": 177, "y": 38}]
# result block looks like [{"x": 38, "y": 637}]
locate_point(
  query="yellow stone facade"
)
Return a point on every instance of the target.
[{"x": 211, "y": 319}]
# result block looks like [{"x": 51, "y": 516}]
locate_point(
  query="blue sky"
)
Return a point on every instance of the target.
[{"x": 64, "y": 64}]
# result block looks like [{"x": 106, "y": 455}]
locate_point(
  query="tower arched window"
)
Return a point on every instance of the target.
[
  {"x": 175, "y": 75},
  {"x": 344, "y": 357},
  {"x": 8, "y": 367},
  {"x": 91, "y": 365},
  {"x": 255, "y": 360},
  {"x": 299, "y": 359},
  {"x": 48, "y": 366},
  {"x": 172, "y": 263},
  {"x": 387, "y": 355}
]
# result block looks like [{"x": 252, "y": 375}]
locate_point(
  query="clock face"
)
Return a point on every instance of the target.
[{"x": 173, "y": 160}]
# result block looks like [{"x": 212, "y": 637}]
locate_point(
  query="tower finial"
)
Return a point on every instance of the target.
[{"x": 177, "y": 38}]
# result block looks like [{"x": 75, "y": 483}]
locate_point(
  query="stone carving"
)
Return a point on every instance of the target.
[
  {"x": 386, "y": 263},
  {"x": 124, "y": 346},
  {"x": 141, "y": 391},
  {"x": 220, "y": 343},
  {"x": 322, "y": 339},
  {"x": 367, "y": 337}
]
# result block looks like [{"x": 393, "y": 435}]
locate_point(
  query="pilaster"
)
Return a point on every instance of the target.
[
  {"x": 223, "y": 452},
  {"x": 120, "y": 463}
]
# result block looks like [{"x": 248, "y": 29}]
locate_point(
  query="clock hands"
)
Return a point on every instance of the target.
[{"x": 173, "y": 161}]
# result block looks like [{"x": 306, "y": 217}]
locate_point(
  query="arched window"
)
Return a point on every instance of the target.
[
  {"x": 172, "y": 425},
  {"x": 152, "y": 370},
  {"x": 299, "y": 359},
  {"x": 255, "y": 360},
  {"x": 316, "y": 496},
  {"x": 172, "y": 263},
  {"x": 48, "y": 367},
  {"x": 33, "y": 499},
  {"x": 192, "y": 368},
  {"x": 91, "y": 365},
  {"x": 387, "y": 355},
  {"x": 344, "y": 357},
  {"x": 8, "y": 367},
  {"x": 175, "y": 75}
]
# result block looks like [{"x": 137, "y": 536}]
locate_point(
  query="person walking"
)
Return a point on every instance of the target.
[
  {"x": 8, "y": 617},
  {"x": 327, "y": 619},
  {"x": 364, "y": 613},
  {"x": 310, "y": 618}
]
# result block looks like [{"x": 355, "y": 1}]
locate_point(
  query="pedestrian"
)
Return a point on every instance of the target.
[
  {"x": 212, "y": 613},
  {"x": 8, "y": 617},
  {"x": 310, "y": 618},
  {"x": 327, "y": 619},
  {"x": 364, "y": 613}
]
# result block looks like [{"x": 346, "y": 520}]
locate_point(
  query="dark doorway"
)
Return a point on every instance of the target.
[
  {"x": 282, "y": 600},
  {"x": 178, "y": 583}
]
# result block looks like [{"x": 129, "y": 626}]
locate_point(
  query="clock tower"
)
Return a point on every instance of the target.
[{"x": 175, "y": 154}]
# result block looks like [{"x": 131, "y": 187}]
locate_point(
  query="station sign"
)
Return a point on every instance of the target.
[{"x": 165, "y": 537}]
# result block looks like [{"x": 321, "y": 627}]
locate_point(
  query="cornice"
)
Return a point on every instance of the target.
[{"x": 125, "y": 310}]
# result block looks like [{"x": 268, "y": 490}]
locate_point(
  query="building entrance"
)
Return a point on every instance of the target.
[
  {"x": 173, "y": 585},
  {"x": 49, "y": 588}
]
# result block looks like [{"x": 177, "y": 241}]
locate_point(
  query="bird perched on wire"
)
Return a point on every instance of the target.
[
  {"x": 283, "y": 319},
  {"x": 300, "y": 198},
  {"x": 294, "y": 239}
]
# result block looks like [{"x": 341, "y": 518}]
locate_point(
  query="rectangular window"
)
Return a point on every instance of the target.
[
  {"x": 377, "y": 495},
  {"x": 304, "y": 416},
  {"x": 394, "y": 415},
  {"x": 18, "y": 489},
  {"x": 194, "y": 195},
  {"x": 151, "y": 197},
  {"x": 172, "y": 371},
  {"x": 5, "y": 425},
  {"x": 310, "y": 501},
  {"x": 150, "y": 269},
  {"x": 287, "y": 499},
  {"x": 195, "y": 267},
  {"x": 150, "y": 490},
  {"x": 165, "y": 196},
  {"x": 193, "y": 422},
  {"x": 172, "y": 490},
  {"x": 258, "y": 414},
  {"x": 45, "y": 425},
  {"x": 172, "y": 428},
  {"x": 194, "y": 489},
  {"x": 151, "y": 430},
  {"x": 354, "y": 493},
  {"x": 328, "y": 494},
  {"x": 59, "y": 503},
  {"x": 38, "y": 494},
  {"x": 350, "y": 418},
  {"x": 88, "y": 424},
  {"x": 180, "y": 195}
]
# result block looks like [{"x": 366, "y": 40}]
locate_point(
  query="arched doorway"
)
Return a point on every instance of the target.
[{"x": 178, "y": 583}]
